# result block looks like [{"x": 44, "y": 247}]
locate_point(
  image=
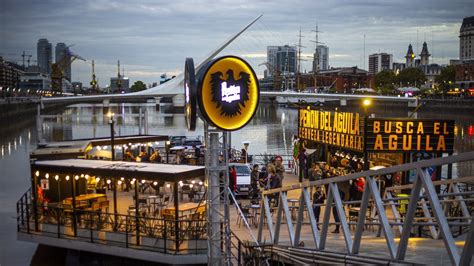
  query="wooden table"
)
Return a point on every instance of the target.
[
  {"x": 89, "y": 198},
  {"x": 183, "y": 208}
]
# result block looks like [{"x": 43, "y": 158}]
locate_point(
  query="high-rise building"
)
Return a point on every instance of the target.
[
  {"x": 124, "y": 84},
  {"x": 281, "y": 59},
  {"x": 62, "y": 54},
  {"x": 10, "y": 74},
  {"x": 379, "y": 62},
  {"x": 466, "y": 40},
  {"x": 425, "y": 55},
  {"x": 45, "y": 55},
  {"x": 410, "y": 57},
  {"x": 323, "y": 52}
]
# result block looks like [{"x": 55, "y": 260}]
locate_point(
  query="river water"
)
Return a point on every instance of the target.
[{"x": 270, "y": 131}]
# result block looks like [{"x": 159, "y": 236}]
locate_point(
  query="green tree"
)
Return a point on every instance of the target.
[
  {"x": 384, "y": 82},
  {"x": 411, "y": 77},
  {"x": 138, "y": 86},
  {"x": 445, "y": 79}
]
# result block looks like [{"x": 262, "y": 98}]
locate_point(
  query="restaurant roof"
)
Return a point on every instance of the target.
[{"x": 163, "y": 172}]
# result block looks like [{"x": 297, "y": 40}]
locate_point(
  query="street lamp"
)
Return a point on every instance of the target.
[
  {"x": 366, "y": 104},
  {"x": 167, "y": 146},
  {"x": 110, "y": 115}
]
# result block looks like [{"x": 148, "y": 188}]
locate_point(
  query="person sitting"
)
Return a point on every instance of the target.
[
  {"x": 128, "y": 156},
  {"x": 155, "y": 157}
]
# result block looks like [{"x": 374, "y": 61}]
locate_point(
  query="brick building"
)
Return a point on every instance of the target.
[{"x": 10, "y": 74}]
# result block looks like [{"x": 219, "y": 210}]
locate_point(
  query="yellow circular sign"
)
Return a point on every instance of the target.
[{"x": 228, "y": 93}]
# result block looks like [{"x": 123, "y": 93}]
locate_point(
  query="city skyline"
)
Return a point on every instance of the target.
[{"x": 151, "y": 38}]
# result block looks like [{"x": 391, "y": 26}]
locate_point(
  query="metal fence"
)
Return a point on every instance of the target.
[
  {"x": 435, "y": 207},
  {"x": 137, "y": 232}
]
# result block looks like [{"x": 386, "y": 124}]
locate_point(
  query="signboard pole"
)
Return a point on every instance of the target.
[{"x": 366, "y": 159}]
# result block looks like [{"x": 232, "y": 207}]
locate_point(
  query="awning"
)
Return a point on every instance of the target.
[{"x": 109, "y": 169}]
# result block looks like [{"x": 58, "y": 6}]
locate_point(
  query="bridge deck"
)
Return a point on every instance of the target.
[{"x": 420, "y": 250}]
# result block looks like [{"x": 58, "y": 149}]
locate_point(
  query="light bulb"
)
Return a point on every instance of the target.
[
  {"x": 119, "y": 182},
  {"x": 56, "y": 177},
  {"x": 86, "y": 176},
  {"x": 155, "y": 183},
  {"x": 122, "y": 178},
  {"x": 97, "y": 179},
  {"x": 200, "y": 183},
  {"x": 132, "y": 182},
  {"x": 193, "y": 182},
  {"x": 76, "y": 177},
  {"x": 67, "y": 178},
  {"x": 37, "y": 173},
  {"x": 82, "y": 175},
  {"x": 46, "y": 175},
  {"x": 168, "y": 185},
  {"x": 108, "y": 181},
  {"x": 191, "y": 186},
  {"x": 143, "y": 181}
]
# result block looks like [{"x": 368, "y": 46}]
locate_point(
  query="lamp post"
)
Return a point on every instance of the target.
[
  {"x": 112, "y": 140},
  {"x": 246, "y": 146},
  {"x": 167, "y": 147},
  {"x": 366, "y": 105},
  {"x": 110, "y": 115}
]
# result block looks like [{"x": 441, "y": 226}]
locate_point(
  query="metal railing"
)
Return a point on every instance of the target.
[
  {"x": 423, "y": 193},
  {"x": 155, "y": 234}
]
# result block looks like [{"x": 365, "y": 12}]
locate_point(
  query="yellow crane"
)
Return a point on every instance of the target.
[{"x": 58, "y": 70}]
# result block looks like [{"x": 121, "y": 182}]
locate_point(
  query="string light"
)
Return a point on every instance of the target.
[
  {"x": 97, "y": 179},
  {"x": 122, "y": 178},
  {"x": 193, "y": 182},
  {"x": 143, "y": 181},
  {"x": 119, "y": 182},
  {"x": 46, "y": 175},
  {"x": 82, "y": 175},
  {"x": 168, "y": 185},
  {"x": 37, "y": 173},
  {"x": 108, "y": 181},
  {"x": 133, "y": 179},
  {"x": 67, "y": 178},
  {"x": 76, "y": 177},
  {"x": 87, "y": 177},
  {"x": 56, "y": 177},
  {"x": 191, "y": 186},
  {"x": 200, "y": 183},
  {"x": 155, "y": 183},
  {"x": 132, "y": 182}
]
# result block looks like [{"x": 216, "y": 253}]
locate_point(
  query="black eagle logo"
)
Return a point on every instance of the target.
[{"x": 230, "y": 95}]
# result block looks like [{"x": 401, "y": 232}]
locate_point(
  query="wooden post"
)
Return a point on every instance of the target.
[
  {"x": 114, "y": 187},
  {"x": 74, "y": 218}
]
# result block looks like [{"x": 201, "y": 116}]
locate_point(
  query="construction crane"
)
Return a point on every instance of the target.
[
  {"x": 58, "y": 69},
  {"x": 276, "y": 75},
  {"x": 94, "y": 83}
]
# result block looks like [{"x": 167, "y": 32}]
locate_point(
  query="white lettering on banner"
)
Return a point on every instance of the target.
[{"x": 230, "y": 94}]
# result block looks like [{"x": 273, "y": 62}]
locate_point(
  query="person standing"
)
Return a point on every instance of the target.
[
  {"x": 232, "y": 181},
  {"x": 318, "y": 198},
  {"x": 279, "y": 168},
  {"x": 302, "y": 164},
  {"x": 254, "y": 176}
]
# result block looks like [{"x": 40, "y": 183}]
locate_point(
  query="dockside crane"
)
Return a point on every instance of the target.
[{"x": 58, "y": 69}]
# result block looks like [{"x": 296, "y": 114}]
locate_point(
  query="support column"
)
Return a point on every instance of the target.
[
  {"x": 176, "y": 213},
  {"x": 137, "y": 212},
  {"x": 140, "y": 111},
  {"x": 214, "y": 235},
  {"x": 114, "y": 187},
  {"x": 74, "y": 217},
  {"x": 34, "y": 200}
]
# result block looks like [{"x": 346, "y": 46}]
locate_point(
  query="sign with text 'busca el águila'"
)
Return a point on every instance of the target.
[
  {"x": 228, "y": 93},
  {"x": 391, "y": 135}
]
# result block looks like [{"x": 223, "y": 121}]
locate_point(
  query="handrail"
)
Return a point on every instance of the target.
[
  {"x": 423, "y": 194},
  {"x": 468, "y": 156}
]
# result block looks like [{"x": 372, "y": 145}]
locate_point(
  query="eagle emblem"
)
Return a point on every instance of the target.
[{"x": 230, "y": 95}]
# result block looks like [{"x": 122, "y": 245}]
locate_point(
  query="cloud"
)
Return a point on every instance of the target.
[{"x": 151, "y": 37}]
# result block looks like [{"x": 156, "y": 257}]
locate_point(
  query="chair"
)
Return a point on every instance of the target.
[{"x": 162, "y": 204}]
